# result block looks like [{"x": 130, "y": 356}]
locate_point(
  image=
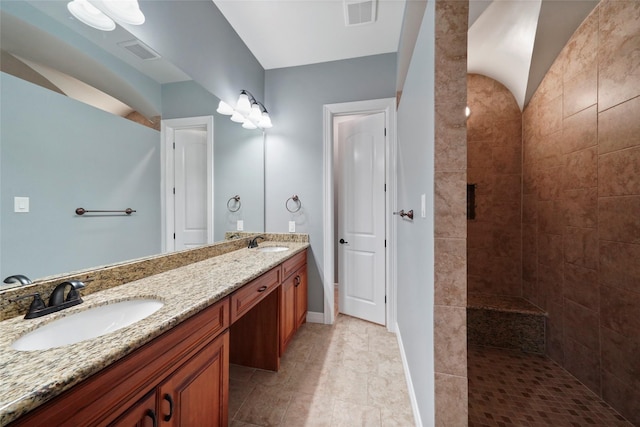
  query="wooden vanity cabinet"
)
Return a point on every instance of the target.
[
  {"x": 181, "y": 378},
  {"x": 190, "y": 363},
  {"x": 141, "y": 414},
  {"x": 293, "y": 298},
  {"x": 194, "y": 395}
]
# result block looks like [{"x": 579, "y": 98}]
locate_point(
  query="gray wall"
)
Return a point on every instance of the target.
[
  {"x": 416, "y": 238},
  {"x": 294, "y": 97},
  {"x": 238, "y": 157},
  {"x": 204, "y": 46},
  {"x": 64, "y": 154}
]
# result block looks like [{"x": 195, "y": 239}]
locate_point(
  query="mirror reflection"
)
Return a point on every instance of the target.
[{"x": 58, "y": 154}]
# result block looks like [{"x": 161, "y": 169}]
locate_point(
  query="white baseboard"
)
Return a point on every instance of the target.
[
  {"x": 315, "y": 317},
  {"x": 407, "y": 376}
]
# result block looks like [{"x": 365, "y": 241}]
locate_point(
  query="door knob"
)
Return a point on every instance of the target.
[{"x": 342, "y": 241}]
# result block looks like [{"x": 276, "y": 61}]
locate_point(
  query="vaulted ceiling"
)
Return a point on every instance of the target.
[{"x": 512, "y": 41}]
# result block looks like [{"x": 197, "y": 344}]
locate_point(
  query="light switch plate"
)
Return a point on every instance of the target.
[
  {"x": 21, "y": 204},
  {"x": 292, "y": 226},
  {"x": 240, "y": 225}
]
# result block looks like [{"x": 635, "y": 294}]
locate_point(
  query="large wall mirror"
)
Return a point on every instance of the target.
[{"x": 62, "y": 154}]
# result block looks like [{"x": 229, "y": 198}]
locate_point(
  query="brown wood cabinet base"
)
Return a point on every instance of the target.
[
  {"x": 103, "y": 397},
  {"x": 254, "y": 336}
]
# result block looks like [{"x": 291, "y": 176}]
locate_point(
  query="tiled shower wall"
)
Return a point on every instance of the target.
[
  {"x": 450, "y": 281},
  {"x": 581, "y": 204},
  {"x": 494, "y": 160}
]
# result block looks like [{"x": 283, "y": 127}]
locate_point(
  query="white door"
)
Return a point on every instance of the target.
[
  {"x": 190, "y": 157},
  {"x": 361, "y": 218}
]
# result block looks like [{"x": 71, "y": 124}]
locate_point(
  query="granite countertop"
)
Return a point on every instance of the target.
[{"x": 28, "y": 379}]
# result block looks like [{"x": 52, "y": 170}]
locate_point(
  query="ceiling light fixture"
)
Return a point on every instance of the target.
[
  {"x": 125, "y": 11},
  {"x": 248, "y": 111},
  {"x": 103, "y": 14},
  {"x": 88, "y": 14}
]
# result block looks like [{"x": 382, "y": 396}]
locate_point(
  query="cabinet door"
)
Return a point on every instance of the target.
[
  {"x": 142, "y": 414},
  {"x": 287, "y": 312},
  {"x": 197, "y": 393},
  {"x": 300, "y": 283}
]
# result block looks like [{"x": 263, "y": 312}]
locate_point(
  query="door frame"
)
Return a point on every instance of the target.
[
  {"x": 387, "y": 106},
  {"x": 167, "y": 175}
]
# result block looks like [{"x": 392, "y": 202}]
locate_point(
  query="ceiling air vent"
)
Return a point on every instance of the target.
[
  {"x": 359, "y": 12},
  {"x": 139, "y": 49}
]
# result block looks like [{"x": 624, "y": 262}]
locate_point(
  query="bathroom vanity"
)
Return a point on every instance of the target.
[{"x": 171, "y": 368}]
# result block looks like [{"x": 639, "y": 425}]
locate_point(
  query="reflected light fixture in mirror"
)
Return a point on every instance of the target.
[
  {"x": 103, "y": 14},
  {"x": 248, "y": 111}
]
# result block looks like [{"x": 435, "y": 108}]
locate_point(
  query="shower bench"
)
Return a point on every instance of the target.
[{"x": 505, "y": 322}]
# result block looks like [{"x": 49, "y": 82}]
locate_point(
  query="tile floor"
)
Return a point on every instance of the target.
[
  {"x": 348, "y": 374},
  {"x": 510, "y": 388}
]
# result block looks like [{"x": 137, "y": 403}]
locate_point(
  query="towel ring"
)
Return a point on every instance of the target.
[
  {"x": 237, "y": 202},
  {"x": 297, "y": 201}
]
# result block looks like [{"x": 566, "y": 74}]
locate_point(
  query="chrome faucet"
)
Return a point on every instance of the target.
[
  {"x": 253, "y": 243},
  {"x": 57, "y": 301}
]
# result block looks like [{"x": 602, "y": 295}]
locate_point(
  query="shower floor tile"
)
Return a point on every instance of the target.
[{"x": 511, "y": 388}]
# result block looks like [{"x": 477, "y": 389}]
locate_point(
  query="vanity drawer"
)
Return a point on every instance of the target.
[
  {"x": 293, "y": 263},
  {"x": 253, "y": 292}
]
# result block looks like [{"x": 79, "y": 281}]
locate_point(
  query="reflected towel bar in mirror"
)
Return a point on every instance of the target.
[
  {"x": 296, "y": 200},
  {"x": 237, "y": 204},
  {"x": 82, "y": 211}
]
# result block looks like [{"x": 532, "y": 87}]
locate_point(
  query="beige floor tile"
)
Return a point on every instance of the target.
[
  {"x": 240, "y": 373},
  {"x": 238, "y": 393},
  {"x": 347, "y": 385},
  {"x": 241, "y": 424},
  {"x": 347, "y": 374},
  {"x": 264, "y": 406},
  {"x": 347, "y": 414},
  {"x": 360, "y": 361},
  {"x": 387, "y": 391},
  {"x": 391, "y": 367},
  {"x": 397, "y": 416},
  {"x": 270, "y": 378},
  {"x": 309, "y": 410},
  {"x": 310, "y": 380}
]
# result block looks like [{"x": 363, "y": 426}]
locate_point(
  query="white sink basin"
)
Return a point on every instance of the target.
[
  {"x": 272, "y": 249},
  {"x": 87, "y": 324}
]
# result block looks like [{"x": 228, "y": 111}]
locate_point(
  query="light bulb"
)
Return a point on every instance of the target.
[
  {"x": 248, "y": 124},
  {"x": 224, "y": 108},
  {"x": 467, "y": 111},
  {"x": 255, "y": 114},
  {"x": 265, "y": 121},
  {"x": 237, "y": 117},
  {"x": 243, "y": 106},
  {"x": 88, "y": 14},
  {"x": 126, "y": 11}
]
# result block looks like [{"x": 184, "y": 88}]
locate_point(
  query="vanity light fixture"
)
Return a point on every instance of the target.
[
  {"x": 248, "y": 111},
  {"x": 103, "y": 14}
]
